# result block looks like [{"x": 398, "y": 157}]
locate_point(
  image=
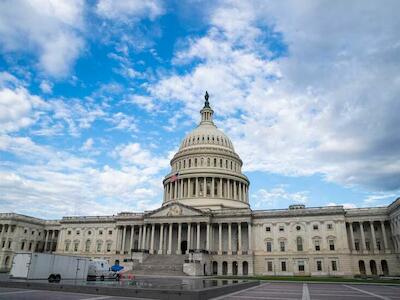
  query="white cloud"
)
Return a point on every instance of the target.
[
  {"x": 46, "y": 87},
  {"x": 125, "y": 11},
  {"x": 87, "y": 145},
  {"x": 327, "y": 106},
  {"x": 345, "y": 205},
  {"x": 51, "y": 29},
  {"x": 274, "y": 197}
]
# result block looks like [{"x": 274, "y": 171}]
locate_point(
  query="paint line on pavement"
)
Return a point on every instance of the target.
[{"x": 366, "y": 292}]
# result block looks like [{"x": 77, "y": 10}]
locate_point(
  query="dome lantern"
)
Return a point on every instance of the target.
[{"x": 206, "y": 112}]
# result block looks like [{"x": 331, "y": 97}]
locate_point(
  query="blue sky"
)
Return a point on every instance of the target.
[{"x": 96, "y": 96}]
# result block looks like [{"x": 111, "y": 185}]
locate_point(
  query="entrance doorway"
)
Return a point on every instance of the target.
[{"x": 183, "y": 247}]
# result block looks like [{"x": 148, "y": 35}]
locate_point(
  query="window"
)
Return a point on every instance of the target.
[
  {"x": 76, "y": 245},
  {"x": 67, "y": 246},
  {"x": 299, "y": 244},
  {"x": 110, "y": 232},
  {"x": 357, "y": 245},
  {"x": 367, "y": 246},
  {"x": 22, "y": 245},
  {"x": 315, "y": 227},
  {"x": 30, "y": 247},
  {"x": 378, "y": 245},
  {"x": 69, "y": 232},
  {"x": 33, "y": 232},
  {"x": 100, "y": 232},
  {"x": 281, "y": 228},
  {"x": 77, "y": 232},
  {"x": 375, "y": 228},
  {"x": 317, "y": 245},
  {"x": 319, "y": 265},
  {"x": 215, "y": 162},
  {"x": 332, "y": 245},
  {"x": 9, "y": 245},
  {"x": 334, "y": 265},
  {"x": 282, "y": 246},
  {"x": 329, "y": 226},
  {"x": 87, "y": 246},
  {"x": 108, "y": 247},
  {"x": 298, "y": 228},
  {"x": 301, "y": 266},
  {"x": 283, "y": 266},
  {"x": 268, "y": 228},
  {"x": 269, "y": 266},
  {"x": 98, "y": 249},
  {"x": 269, "y": 246},
  {"x": 25, "y": 231},
  {"x": 89, "y": 232}
]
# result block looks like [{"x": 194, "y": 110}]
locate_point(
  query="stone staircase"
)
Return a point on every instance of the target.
[{"x": 161, "y": 264}]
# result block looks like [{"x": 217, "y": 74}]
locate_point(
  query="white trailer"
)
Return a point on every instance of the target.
[{"x": 52, "y": 267}]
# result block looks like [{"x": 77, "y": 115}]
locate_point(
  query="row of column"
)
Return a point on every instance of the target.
[
  {"x": 363, "y": 246},
  {"x": 147, "y": 234},
  {"x": 206, "y": 187}
]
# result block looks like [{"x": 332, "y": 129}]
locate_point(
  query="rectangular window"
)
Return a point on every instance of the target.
[
  {"x": 30, "y": 247},
  {"x": 281, "y": 228},
  {"x": 367, "y": 245},
  {"x": 378, "y": 245},
  {"x": 269, "y": 246},
  {"x": 22, "y": 245},
  {"x": 69, "y": 232},
  {"x": 101, "y": 232},
  {"x": 110, "y": 232},
  {"x": 301, "y": 266},
  {"x": 334, "y": 265},
  {"x": 98, "y": 247},
  {"x": 9, "y": 245},
  {"x": 283, "y": 266},
  {"x": 317, "y": 246},
  {"x": 108, "y": 247},
  {"x": 76, "y": 247},
  {"x": 269, "y": 266},
  {"x": 319, "y": 265},
  {"x": 315, "y": 227},
  {"x": 67, "y": 247},
  {"x": 329, "y": 226},
  {"x": 357, "y": 245},
  {"x": 282, "y": 246},
  {"x": 332, "y": 245},
  {"x": 267, "y": 228}
]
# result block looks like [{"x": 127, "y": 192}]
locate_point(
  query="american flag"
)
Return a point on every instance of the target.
[{"x": 174, "y": 177}]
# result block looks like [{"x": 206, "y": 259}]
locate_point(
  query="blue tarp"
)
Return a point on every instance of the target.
[{"x": 116, "y": 268}]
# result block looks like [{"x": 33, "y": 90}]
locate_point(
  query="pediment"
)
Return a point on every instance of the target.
[{"x": 175, "y": 210}]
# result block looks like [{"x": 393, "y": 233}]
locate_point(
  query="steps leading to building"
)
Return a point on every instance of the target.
[{"x": 160, "y": 264}]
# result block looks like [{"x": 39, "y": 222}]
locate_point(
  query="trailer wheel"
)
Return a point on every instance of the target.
[
  {"x": 51, "y": 278},
  {"x": 57, "y": 278},
  {"x": 102, "y": 278}
]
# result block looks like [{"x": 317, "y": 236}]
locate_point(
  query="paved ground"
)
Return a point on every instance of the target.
[
  {"x": 314, "y": 291},
  {"x": 21, "y": 294}
]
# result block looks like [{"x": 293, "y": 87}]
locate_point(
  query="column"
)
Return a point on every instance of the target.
[
  {"x": 176, "y": 189},
  {"x": 229, "y": 238},
  {"x": 362, "y": 237},
  {"x": 140, "y": 237},
  {"x": 239, "y": 238},
  {"x": 219, "y": 239},
  {"x": 197, "y": 186},
  {"x": 123, "y": 240},
  {"x": 374, "y": 247},
  {"x": 249, "y": 238},
  {"x": 208, "y": 237},
  {"x": 240, "y": 192},
  {"x": 353, "y": 247},
  {"x": 181, "y": 188},
  {"x": 132, "y": 234},
  {"x": 45, "y": 241},
  {"x": 385, "y": 243},
  {"x": 220, "y": 187},
  {"x": 160, "y": 247},
  {"x": 198, "y": 237},
  {"x": 212, "y": 187},
  {"x": 189, "y": 190},
  {"x": 169, "y": 191},
  {"x": 170, "y": 239},
  {"x": 178, "y": 248},
  {"x": 152, "y": 238},
  {"x": 189, "y": 237},
  {"x": 144, "y": 245},
  {"x": 228, "y": 189},
  {"x": 205, "y": 187},
  {"x": 234, "y": 190}
]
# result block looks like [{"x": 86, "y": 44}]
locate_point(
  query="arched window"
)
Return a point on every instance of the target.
[
  {"x": 190, "y": 162},
  {"x": 87, "y": 246},
  {"x": 220, "y": 163},
  {"x": 184, "y": 163},
  {"x": 195, "y": 162},
  {"x": 299, "y": 244},
  {"x": 215, "y": 162}
]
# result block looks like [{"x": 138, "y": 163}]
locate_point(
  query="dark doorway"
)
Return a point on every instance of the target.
[
  {"x": 215, "y": 268},
  {"x": 183, "y": 247},
  {"x": 224, "y": 268},
  {"x": 361, "y": 266},
  {"x": 204, "y": 270},
  {"x": 372, "y": 264},
  {"x": 234, "y": 268},
  {"x": 385, "y": 267},
  {"x": 245, "y": 268}
]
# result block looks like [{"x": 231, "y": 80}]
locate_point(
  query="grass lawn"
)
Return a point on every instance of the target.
[{"x": 313, "y": 279}]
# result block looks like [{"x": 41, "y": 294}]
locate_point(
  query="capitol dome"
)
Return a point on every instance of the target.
[{"x": 206, "y": 171}]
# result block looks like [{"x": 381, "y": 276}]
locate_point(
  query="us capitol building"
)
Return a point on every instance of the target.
[{"x": 205, "y": 226}]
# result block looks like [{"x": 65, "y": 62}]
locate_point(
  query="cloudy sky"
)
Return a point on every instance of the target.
[{"x": 96, "y": 96}]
